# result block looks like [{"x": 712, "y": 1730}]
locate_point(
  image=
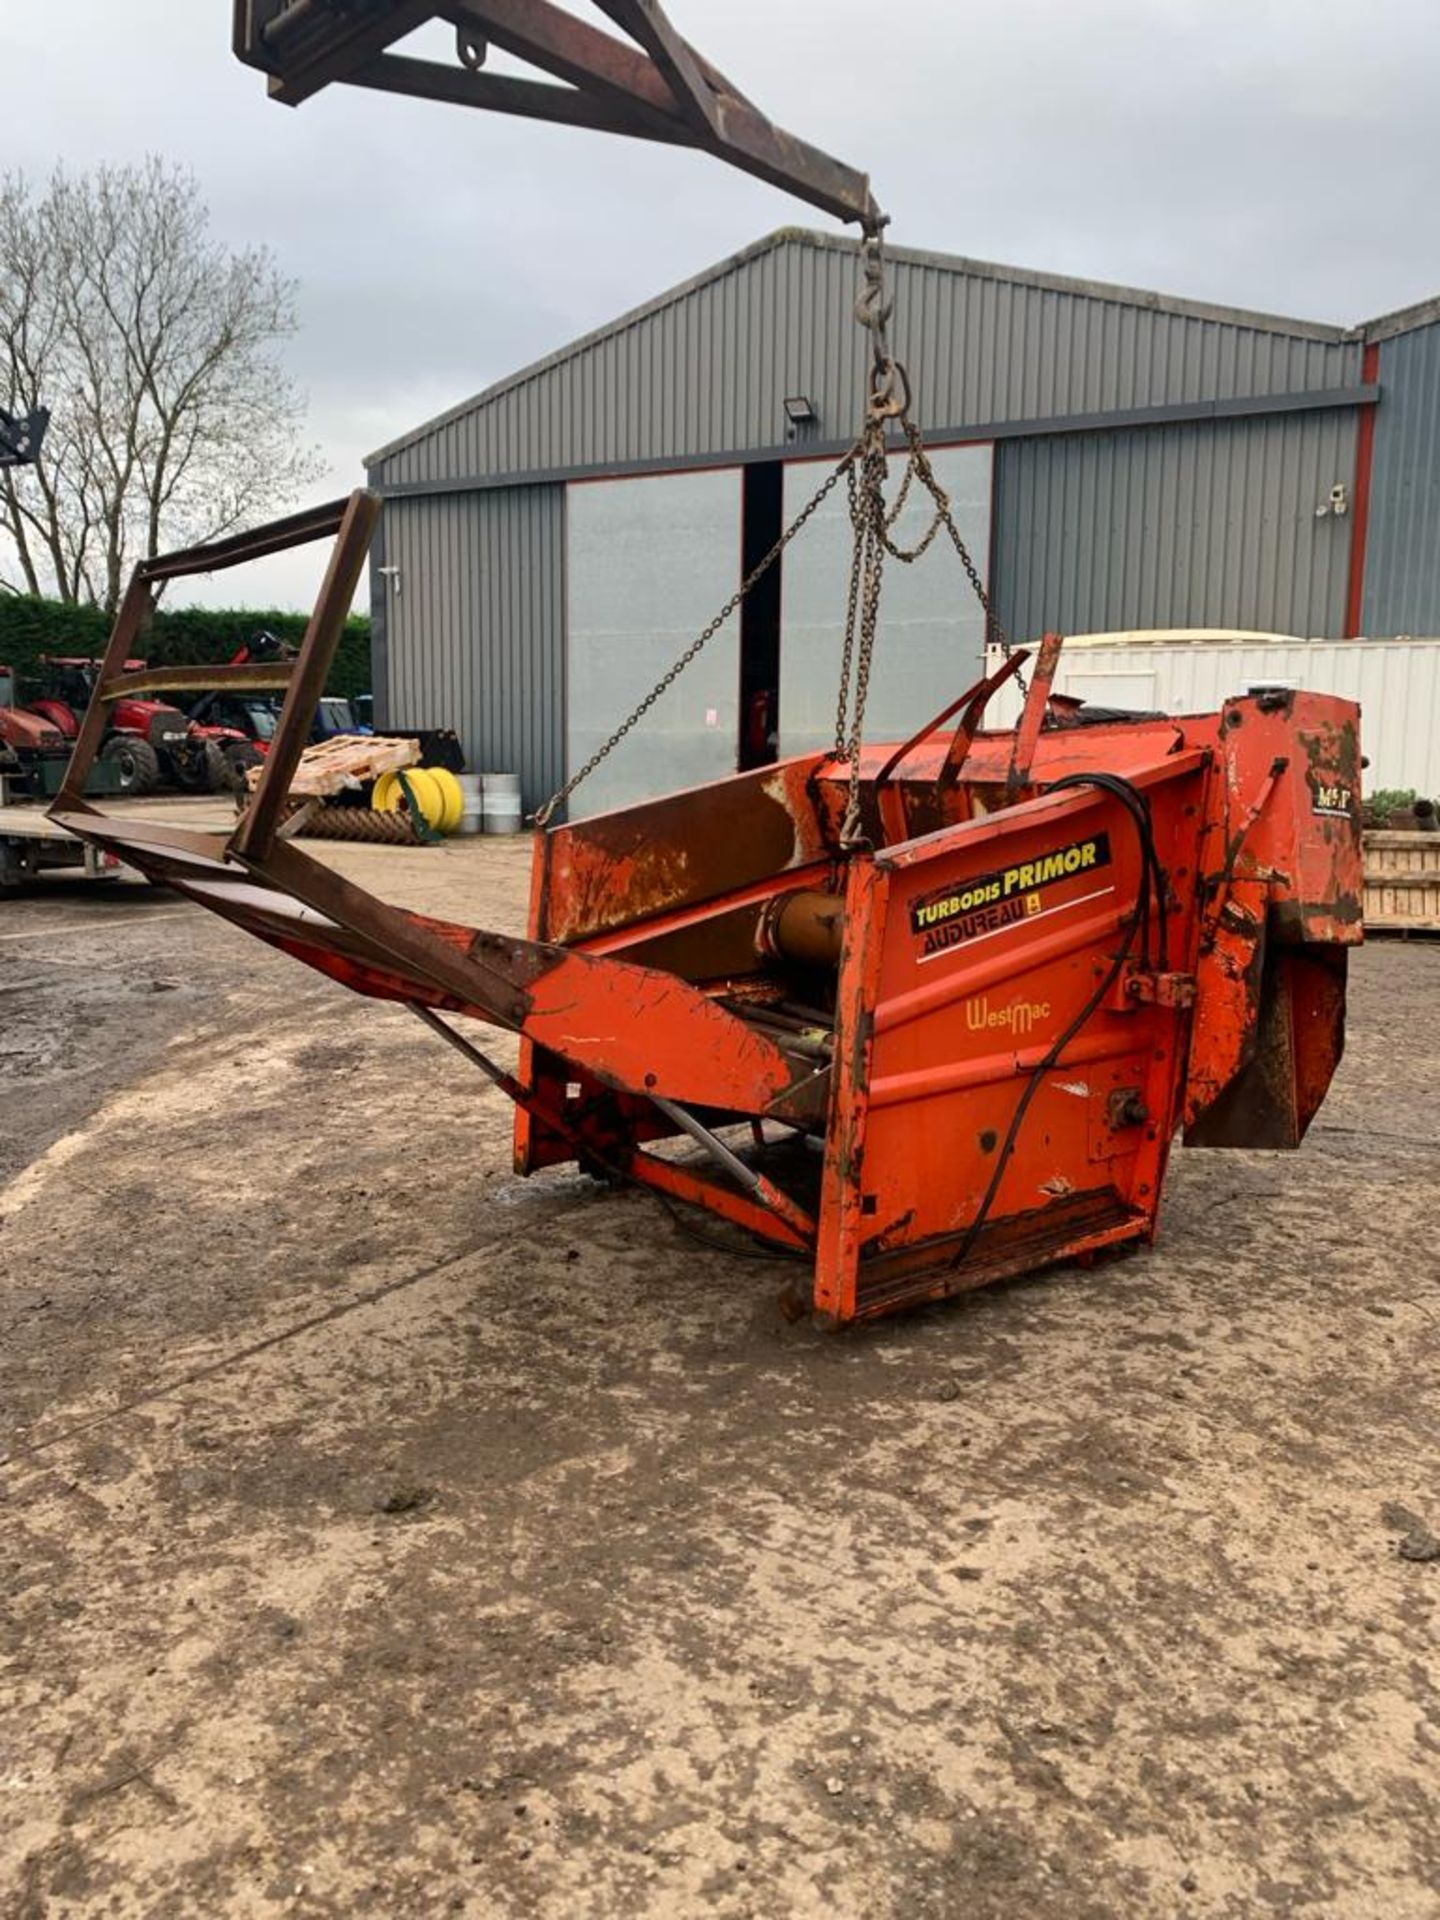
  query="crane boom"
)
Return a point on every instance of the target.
[{"x": 650, "y": 85}]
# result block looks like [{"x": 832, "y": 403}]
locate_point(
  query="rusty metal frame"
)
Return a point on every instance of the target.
[
  {"x": 357, "y": 514},
  {"x": 652, "y": 85},
  {"x": 258, "y": 878},
  {"x": 511, "y": 983},
  {"x": 1239, "y": 1043}
]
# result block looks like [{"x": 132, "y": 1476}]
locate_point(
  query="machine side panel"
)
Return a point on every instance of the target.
[
  {"x": 1284, "y": 892},
  {"x": 997, "y": 940},
  {"x": 619, "y": 869}
]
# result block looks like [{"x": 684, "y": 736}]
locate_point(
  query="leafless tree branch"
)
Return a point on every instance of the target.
[{"x": 155, "y": 348}]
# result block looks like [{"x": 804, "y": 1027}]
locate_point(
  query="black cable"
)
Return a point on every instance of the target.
[
  {"x": 1138, "y": 806},
  {"x": 1138, "y": 809}
]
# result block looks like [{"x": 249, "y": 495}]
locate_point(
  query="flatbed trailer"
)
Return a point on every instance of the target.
[{"x": 31, "y": 843}]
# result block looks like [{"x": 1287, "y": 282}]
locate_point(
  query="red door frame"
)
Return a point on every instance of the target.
[{"x": 1360, "y": 510}]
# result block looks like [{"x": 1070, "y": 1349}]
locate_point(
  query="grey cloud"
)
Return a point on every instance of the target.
[{"x": 1280, "y": 154}]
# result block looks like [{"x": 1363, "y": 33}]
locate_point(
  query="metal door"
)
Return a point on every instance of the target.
[
  {"x": 931, "y": 634},
  {"x": 650, "y": 561}
]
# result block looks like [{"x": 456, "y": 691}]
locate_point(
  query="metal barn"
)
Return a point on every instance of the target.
[{"x": 1117, "y": 460}]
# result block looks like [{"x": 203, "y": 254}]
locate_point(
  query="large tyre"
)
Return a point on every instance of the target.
[
  {"x": 390, "y": 796},
  {"x": 230, "y": 763},
  {"x": 192, "y": 768},
  {"x": 453, "y": 796},
  {"x": 136, "y": 762}
]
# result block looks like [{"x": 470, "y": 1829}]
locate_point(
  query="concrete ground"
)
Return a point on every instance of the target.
[{"x": 387, "y": 1536}]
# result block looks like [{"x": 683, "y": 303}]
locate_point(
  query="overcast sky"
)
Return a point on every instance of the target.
[{"x": 1278, "y": 154}]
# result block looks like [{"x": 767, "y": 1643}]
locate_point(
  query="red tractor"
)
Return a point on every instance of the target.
[
  {"x": 148, "y": 741},
  {"x": 34, "y": 753},
  {"x": 251, "y": 715},
  {"x": 33, "y": 750}
]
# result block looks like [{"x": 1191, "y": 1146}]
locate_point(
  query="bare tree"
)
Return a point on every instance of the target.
[{"x": 154, "y": 346}]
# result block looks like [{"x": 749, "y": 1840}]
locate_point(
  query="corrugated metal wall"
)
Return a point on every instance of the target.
[
  {"x": 1402, "y": 565},
  {"x": 1397, "y": 683},
  {"x": 476, "y": 631},
  {"x": 1208, "y": 522},
  {"x": 705, "y": 370},
  {"x": 1204, "y": 525}
]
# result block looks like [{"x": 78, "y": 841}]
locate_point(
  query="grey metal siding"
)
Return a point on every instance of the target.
[
  {"x": 704, "y": 372},
  {"x": 475, "y": 634},
  {"x": 1206, "y": 525},
  {"x": 1402, "y": 561}
]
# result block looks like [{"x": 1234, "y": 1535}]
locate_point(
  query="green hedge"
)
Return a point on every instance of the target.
[{"x": 30, "y": 627}]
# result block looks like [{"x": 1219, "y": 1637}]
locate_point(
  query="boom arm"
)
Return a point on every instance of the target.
[{"x": 652, "y": 85}]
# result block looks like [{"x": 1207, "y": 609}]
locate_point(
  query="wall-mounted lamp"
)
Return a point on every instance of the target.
[
  {"x": 391, "y": 577},
  {"x": 800, "y": 412}
]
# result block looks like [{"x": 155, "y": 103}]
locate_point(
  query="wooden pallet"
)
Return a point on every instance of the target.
[
  {"x": 1402, "y": 882},
  {"x": 350, "y": 760}
]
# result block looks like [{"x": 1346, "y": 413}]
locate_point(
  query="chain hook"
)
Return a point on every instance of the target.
[{"x": 873, "y": 308}]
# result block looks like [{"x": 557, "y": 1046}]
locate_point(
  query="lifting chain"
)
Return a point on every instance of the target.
[
  {"x": 873, "y": 521},
  {"x": 673, "y": 673},
  {"x": 864, "y": 467}
]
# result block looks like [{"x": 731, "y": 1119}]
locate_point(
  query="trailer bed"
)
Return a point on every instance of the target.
[{"x": 32, "y": 843}]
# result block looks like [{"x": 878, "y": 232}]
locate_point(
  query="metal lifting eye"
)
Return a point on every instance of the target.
[
  {"x": 470, "y": 49},
  {"x": 889, "y": 391}
]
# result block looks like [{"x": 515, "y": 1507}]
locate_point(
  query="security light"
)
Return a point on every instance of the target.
[{"x": 800, "y": 411}]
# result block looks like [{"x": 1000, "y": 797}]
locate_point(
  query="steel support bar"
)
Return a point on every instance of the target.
[
  {"x": 753, "y": 1183},
  {"x": 657, "y": 88},
  {"x": 258, "y": 677},
  {"x": 732, "y": 129},
  {"x": 667, "y": 1176},
  {"x": 135, "y": 611},
  {"x": 550, "y": 38},
  {"x": 256, "y": 832},
  {"x": 646, "y": 24},
  {"x": 502, "y": 93},
  {"x": 1027, "y": 732},
  {"x": 314, "y": 523}
]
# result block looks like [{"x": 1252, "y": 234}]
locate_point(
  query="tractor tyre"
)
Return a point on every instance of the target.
[
  {"x": 135, "y": 761},
  {"x": 192, "y": 774},
  {"x": 215, "y": 768},
  {"x": 230, "y": 765}
]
